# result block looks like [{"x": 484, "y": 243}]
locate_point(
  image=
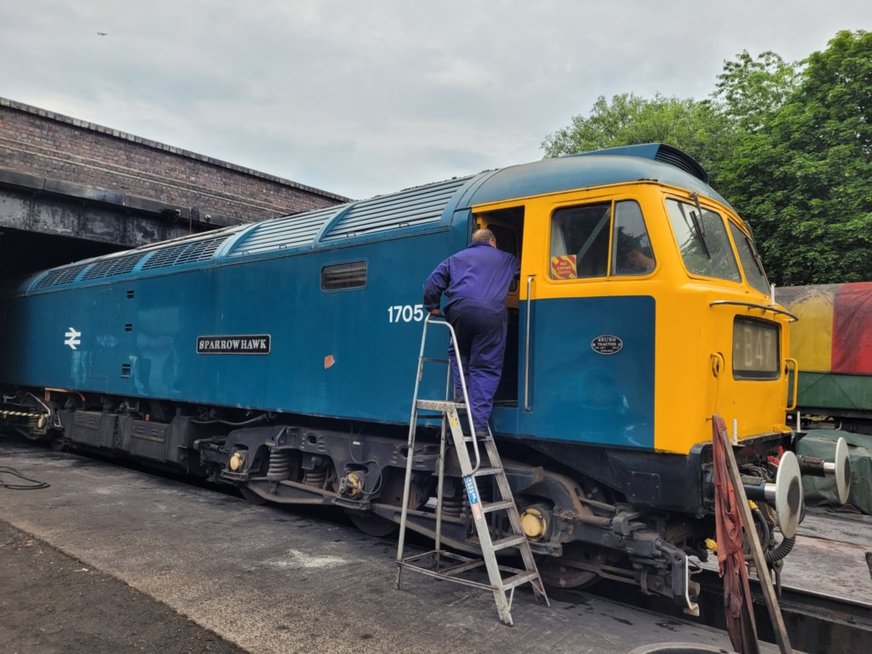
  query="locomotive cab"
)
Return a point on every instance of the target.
[{"x": 658, "y": 293}]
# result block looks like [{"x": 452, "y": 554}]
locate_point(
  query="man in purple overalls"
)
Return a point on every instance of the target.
[{"x": 475, "y": 281}]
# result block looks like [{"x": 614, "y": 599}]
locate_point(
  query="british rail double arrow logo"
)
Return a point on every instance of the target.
[{"x": 73, "y": 338}]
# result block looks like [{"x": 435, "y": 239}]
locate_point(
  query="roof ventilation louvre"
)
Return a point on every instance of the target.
[
  {"x": 296, "y": 230},
  {"x": 658, "y": 152},
  {"x": 182, "y": 253},
  {"x": 112, "y": 267},
  {"x": 415, "y": 206},
  {"x": 61, "y": 276},
  {"x": 676, "y": 158}
]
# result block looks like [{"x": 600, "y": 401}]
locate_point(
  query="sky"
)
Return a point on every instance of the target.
[{"x": 365, "y": 97}]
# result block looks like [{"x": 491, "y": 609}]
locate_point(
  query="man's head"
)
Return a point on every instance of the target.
[{"x": 484, "y": 236}]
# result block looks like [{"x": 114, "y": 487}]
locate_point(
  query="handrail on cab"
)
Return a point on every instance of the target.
[
  {"x": 754, "y": 305},
  {"x": 790, "y": 361}
]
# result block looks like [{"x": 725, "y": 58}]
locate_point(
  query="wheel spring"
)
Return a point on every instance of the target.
[
  {"x": 452, "y": 506},
  {"x": 315, "y": 478},
  {"x": 279, "y": 465}
]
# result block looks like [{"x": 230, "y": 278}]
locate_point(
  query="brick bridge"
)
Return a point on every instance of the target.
[{"x": 70, "y": 189}]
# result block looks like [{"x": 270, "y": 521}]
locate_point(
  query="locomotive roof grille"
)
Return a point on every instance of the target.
[
  {"x": 680, "y": 160},
  {"x": 112, "y": 267},
  {"x": 182, "y": 253},
  {"x": 61, "y": 276},
  {"x": 286, "y": 232},
  {"x": 423, "y": 204},
  {"x": 657, "y": 152}
]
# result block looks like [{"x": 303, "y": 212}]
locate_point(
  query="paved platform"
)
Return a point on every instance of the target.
[{"x": 270, "y": 580}]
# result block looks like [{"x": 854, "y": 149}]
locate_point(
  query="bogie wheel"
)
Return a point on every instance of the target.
[
  {"x": 251, "y": 496},
  {"x": 565, "y": 571},
  {"x": 372, "y": 525}
]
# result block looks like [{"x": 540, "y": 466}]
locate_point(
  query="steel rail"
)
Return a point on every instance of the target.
[{"x": 816, "y": 622}]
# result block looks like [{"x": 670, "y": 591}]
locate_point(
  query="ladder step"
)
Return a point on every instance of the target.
[
  {"x": 485, "y": 472},
  {"x": 462, "y": 567},
  {"x": 434, "y": 360},
  {"x": 480, "y": 439},
  {"x": 497, "y": 506},
  {"x": 520, "y": 578},
  {"x": 503, "y": 543},
  {"x": 437, "y": 405}
]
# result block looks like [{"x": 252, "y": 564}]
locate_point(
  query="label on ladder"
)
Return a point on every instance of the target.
[{"x": 471, "y": 493}]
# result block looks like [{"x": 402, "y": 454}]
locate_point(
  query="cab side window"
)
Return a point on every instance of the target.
[
  {"x": 580, "y": 241},
  {"x": 581, "y": 236},
  {"x": 633, "y": 253}
]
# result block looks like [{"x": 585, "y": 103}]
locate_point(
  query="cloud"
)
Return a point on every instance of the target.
[{"x": 365, "y": 98}]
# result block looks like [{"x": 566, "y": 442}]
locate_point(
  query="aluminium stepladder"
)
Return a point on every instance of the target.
[{"x": 471, "y": 468}]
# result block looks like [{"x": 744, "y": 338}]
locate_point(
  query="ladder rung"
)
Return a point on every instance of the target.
[
  {"x": 462, "y": 567},
  {"x": 497, "y": 506},
  {"x": 436, "y": 405},
  {"x": 510, "y": 541},
  {"x": 434, "y": 360},
  {"x": 520, "y": 578},
  {"x": 484, "y": 472}
]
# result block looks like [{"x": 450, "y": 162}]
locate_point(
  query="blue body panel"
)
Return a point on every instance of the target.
[
  {"x": 334, "y": 353},
  {"x": 371, "y": 361},
  {"x": 577, "y": 394}
]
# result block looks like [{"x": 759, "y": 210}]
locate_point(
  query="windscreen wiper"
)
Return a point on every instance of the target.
[
  {"x": 696, "y": 219},
  {"x": 757, "y": 258}
]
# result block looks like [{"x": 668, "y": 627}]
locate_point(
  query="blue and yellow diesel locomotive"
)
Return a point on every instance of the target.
[{"x": 280, "y": 357}]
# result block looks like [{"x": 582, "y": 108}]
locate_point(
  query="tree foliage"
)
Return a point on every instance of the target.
[
  {"x": 751, "y": 90},
  {"x": 697, "y": 127},
  {"x": 804, "y": 179},
  {"x": 790, "y": 144}
]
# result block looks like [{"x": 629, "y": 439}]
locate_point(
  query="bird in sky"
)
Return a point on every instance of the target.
[{"x": 102, "y": 33}]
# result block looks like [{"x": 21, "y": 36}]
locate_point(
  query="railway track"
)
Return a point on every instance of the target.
[
  {"x": 816, "y": 622},
  {"x": 824, "y": 623}
]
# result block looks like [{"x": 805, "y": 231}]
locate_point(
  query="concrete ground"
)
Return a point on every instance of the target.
[
  {"x": 53, "y": 603},
  {"x": 172, "y": 567}
]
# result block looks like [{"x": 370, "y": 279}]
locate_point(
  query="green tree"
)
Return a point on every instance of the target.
[
  {"x": 750, "y": 90},
  {"x": 803, "y": 178},
  {"x": 696, "y": 127}
]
